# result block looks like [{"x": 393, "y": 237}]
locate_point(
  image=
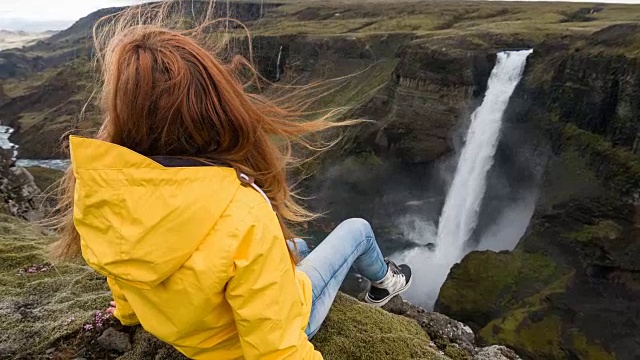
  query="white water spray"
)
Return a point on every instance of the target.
[
  {"x": 278, "y": 64},
  {"x": 460, "y": 213}
]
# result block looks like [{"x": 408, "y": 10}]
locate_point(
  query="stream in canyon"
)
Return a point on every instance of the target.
[{"x": 5, "y": 143}]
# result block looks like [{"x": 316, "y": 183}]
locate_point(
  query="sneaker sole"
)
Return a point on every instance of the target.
[{"x": 383, "y": 302}]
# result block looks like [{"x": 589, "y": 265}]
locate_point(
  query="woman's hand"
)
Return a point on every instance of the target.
[{"x": 112, "y": 308}]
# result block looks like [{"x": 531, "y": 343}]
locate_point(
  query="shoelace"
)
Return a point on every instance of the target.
[{"x": 395, "y": 269}]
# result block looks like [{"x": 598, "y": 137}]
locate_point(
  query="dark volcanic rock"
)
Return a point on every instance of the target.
[
  {"x": 112, "y": 339},
  {"x": 21, "y": 197},
  {"x": 592, "y": 84},
  {"x": 450, "y": 336},
  {"x": 496, "y": 352},
  {"x": 441, "y": 329}
]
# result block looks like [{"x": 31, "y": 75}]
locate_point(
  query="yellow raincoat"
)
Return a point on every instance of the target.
[{"x": 190, "y": 253}]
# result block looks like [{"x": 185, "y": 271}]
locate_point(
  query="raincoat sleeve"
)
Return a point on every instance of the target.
[
  {"x": 263, "y": 293},
  {"x": 123, "y": 312}
]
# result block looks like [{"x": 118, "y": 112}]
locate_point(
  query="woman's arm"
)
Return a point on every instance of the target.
[
  {"x": 263, "y": 293},
  {"x": 123, "y": 310}
]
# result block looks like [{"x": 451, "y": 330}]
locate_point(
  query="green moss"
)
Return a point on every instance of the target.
[
  {"x": 618, "y": 168},
  {"x": 358, "y": 87},
  {"x": 351, "y": 331},
  {"x": 311, "y": 27},
  {"x": 528, "y": 327},
  {"x": 533, "y": 19},
  {"x": 569, "y": 176},
  {"x": 37, "y": 309},
  {"x": 486, "y": 282},
  {"x": 585, "y": 349},
  {"x": 606, "y": 229},
  {"x": 476, "y": 284},
  {"x": 542, "y": 338},
  {"x": 356, "y": 331},
  {"x": 456, "y": 353}
]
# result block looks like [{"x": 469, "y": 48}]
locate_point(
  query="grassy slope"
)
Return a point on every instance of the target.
[
  {"x": 37, "y": 308},
  {"x": 433, "y": 17}
]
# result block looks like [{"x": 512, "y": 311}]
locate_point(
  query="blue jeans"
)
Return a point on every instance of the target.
[{"x": 352, "y": 243}]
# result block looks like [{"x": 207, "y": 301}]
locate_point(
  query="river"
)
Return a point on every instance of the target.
[{"x": 5, "y": 143}]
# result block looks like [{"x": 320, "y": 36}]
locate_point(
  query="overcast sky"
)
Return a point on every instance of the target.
[
  {"x": 36, "y": 15},
  {"x": 39, "y": 15}
]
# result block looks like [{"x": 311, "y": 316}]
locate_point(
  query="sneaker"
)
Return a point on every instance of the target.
[{"x": 396, "y": 282}]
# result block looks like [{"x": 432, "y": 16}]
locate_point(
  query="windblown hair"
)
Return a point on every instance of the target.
[{"x": 164, "y": 93}]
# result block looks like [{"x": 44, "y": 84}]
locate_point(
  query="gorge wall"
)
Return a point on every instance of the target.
[{"x": 570, "y": 285}]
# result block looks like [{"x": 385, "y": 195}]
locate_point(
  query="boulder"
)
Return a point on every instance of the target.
[
  {"x": 496, "y": 352},
  {"x": 21, "y": 196},
  {"x": 112, "y": 339},
  {"x": 442, "y": 330}
]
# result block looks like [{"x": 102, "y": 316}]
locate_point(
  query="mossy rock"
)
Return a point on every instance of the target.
[
  {"x": 351, "y": 331},
  {"x": 543, "y": 338},
  {"x": 617, "y": 167},
  {"x": 515, "y": 290},
  {"x": 605, "y": 230},
  {"x": 485, "y": 283},
  {"x": 357, "y": 331},
  {"x": 564, "y": 290}
]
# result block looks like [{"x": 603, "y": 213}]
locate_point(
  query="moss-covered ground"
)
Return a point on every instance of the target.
[{"x": 40, "y": 302}]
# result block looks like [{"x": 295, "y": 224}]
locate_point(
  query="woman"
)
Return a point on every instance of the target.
[{"x": 182, "y": 203}]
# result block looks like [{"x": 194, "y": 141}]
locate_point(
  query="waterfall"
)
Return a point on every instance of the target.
[
  {"x": 278, "y": 64},
  {"x": 460, "y": 212}
]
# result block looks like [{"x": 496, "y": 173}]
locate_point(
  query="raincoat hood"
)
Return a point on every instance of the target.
[{"x": 139, "y": 221}]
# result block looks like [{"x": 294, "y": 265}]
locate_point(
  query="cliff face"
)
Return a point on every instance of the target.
[
  {"x": 591, "y": 83},
  {"x": 565, "y": 292},
  {"x": 430, "y": 91},
  {"x": 567, "y": 289}
]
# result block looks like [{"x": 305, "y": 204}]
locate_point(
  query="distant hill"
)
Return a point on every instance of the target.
[{"x": 16, "y": 39}]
